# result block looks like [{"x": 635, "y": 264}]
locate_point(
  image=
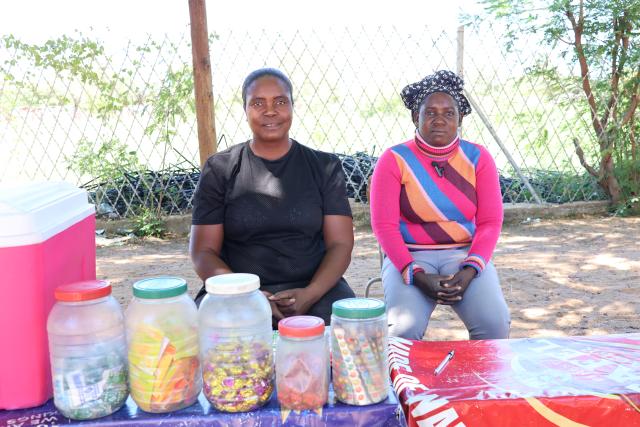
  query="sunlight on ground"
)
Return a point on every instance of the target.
[
  {"x": 570, "y": 319},
  {"x": 572, "y": 303},
  {"x": 608, "y": 260},
  {"x": 122, "y": 261},
  {"x": 618, "y": 308},
  {"x": 522, "y": 239},
  {"x": 535, "y": 313},
  {"x": 519, "y": 324}
]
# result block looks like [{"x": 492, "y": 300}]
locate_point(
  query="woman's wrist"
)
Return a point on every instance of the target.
[
  {"x": 313, "y": 292},
  {"x": 409, "y": 271},
  {"x": 470, "y": 268}
]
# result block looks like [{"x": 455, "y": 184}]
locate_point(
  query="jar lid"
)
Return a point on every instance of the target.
[
  {"x": 83, "y": 291},
  {"x": 301, "y": 326},
  {"x": 232, "y": 283},
  {"x": 159, "y": 287},
  {"x": 358, "y": 308}
]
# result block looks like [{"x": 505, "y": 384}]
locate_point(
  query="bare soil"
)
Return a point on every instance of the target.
[{"x": 559, "y": 277}]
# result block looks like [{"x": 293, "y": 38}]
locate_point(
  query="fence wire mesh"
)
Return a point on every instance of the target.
[{"x": 120, "y": 121}]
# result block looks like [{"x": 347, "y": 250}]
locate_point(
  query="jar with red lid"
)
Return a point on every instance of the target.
[
  {"x": 302, "y": 363},
  {"x": 88, "y": 350}
]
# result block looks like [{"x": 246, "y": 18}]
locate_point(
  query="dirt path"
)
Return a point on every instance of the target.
[{"x": 560, "y": 277}]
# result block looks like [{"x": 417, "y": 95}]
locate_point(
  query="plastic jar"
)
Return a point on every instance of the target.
[
  {"x": 359, "y": 350},
  {"x": 162, "y": 336},
  {"x": 236, "y": 343},
  {"x": 88, "y": 351},
  {"x": 302, "y": 363}
]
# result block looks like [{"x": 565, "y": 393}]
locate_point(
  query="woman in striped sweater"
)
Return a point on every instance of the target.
[{"x": 436, "y": 210}]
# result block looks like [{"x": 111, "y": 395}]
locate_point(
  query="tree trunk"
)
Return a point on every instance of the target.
[{"x": 609, "y": 181}]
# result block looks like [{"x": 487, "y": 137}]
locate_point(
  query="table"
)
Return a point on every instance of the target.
[
  {"x": 387, "y": 413},
  {"x": 573, "y": 381}
]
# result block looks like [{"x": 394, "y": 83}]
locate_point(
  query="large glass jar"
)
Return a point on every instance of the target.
[
  {"x": 88, "y": 351},
  {"x": 236, "y": 343},
  {"x": 162, "y": 336},
  {"x": 359, "y": 350},
  {"x": 302, "y": 363}
]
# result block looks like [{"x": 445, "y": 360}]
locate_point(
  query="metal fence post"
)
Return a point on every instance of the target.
[
  {"x": 484, "y": 118},
  {"x": 498, "y": 141},
  {"x": 460, "y": 51}
]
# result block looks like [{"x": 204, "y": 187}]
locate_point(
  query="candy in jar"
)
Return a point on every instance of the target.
[
  {"x": 88, "y": 351},
  {"x": 162, "y": 335},
  {"x": 359, "y": 350},
  {"x": 302, "y": 363},
  {"x": 236, "y": 343}
]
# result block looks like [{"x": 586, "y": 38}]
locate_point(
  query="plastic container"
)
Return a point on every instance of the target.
[
  {"x": 162, "y": 337},
  {"x": 302, "y": 363},
  {"x": 359, "y": 350},
  {"x": 236, "y": 343},
  {"x": 88, "y": 351},
  {"x": 47, "y": 239}
]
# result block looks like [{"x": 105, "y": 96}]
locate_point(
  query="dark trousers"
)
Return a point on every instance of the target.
[{"x": 321, "y": 309}]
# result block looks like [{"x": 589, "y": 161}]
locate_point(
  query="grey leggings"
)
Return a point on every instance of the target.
[{"x": 482, "y": 308}]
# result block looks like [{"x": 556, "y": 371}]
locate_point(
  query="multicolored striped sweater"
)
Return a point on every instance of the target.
[{"x": 425, "y": 197}]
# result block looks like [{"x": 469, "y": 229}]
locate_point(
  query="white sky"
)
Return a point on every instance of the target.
[{"x": 37, "y": 20}]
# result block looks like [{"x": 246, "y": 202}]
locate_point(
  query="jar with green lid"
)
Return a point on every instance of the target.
[
  {"x": 88, "y": 351},
  {"x": 359, "y": 350},
  {"x": 162, "y": 337}
]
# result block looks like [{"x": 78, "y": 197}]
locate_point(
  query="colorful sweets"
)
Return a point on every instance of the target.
[
  {"x": 162, "y": 335},
  {"x": 236, "y": 343},
  {"x": 238, "y": 375},
  {"x": 164, "y": 369},
  {"x": 302, "y": 363},
  {"x": 359, "y": 342}
]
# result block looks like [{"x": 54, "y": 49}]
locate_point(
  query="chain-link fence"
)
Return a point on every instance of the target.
[{"x": 121, "y": 122}]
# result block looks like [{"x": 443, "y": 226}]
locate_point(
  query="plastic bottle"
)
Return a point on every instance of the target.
[
  {"x": 236, "y": 343},
  {"x": 359, "y": 350},
  {"x": 88, "y": 350},
  {"x": 302, "y": 363},
  {"x": 162, "y": 337}
]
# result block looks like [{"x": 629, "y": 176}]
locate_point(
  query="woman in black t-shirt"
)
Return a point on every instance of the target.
[{"x": 275, "y": 208}]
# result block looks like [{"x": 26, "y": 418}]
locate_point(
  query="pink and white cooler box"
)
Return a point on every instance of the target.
[{"x": 47, "y": 238}]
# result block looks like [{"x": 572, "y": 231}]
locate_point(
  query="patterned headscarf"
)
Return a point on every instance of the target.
[{"x": 440, "y": 81}]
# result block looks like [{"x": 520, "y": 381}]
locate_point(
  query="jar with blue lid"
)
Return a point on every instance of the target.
[
  {"x": 359, "y": 350},
  {"x": 163, "y": 348}
]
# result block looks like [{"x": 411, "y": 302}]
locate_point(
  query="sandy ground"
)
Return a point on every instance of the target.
[{"x": 559, "y": 277}]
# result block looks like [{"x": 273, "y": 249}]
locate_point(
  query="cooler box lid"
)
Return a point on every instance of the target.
[{"x": 31, "y": 213}]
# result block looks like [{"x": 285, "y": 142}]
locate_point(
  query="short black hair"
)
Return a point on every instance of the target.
[{"x": 263, "y": 72}]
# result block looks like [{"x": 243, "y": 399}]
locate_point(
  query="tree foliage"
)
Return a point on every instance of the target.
[
  {"x": 602, "y": 39},
  {"x": 79, "y": 68}
]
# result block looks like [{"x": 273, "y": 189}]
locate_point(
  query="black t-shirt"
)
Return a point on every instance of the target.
[{"x": 272, "y": 211}]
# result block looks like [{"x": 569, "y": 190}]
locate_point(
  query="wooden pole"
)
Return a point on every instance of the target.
[{"x": 202, "y": 80}]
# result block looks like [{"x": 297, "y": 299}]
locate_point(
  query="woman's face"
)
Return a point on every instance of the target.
[
  {"x": 438, "y": 119},
  {"x": 269, "y": 109}
]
